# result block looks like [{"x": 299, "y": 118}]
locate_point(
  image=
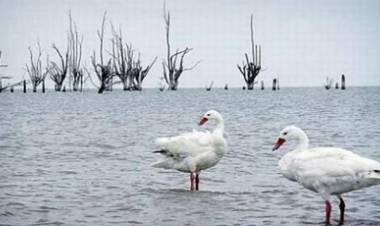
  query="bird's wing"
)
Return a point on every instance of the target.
[
  {"x": 333, "y": 162},
  {"x": 187, "y": 144}
]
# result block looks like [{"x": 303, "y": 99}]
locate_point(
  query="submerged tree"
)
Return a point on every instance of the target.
[
  {"x": 329, "y": 82},
  {"x": 58, "y": 72},
  {"x": 274, "y": 84},
  {"x": 251, "y": 69},
  {"x": 209, "y": 87},
  {"x": 343, "y": 82},
  {"x": 103, "y": 70},
  {"x": 76, "y": 71},
  {"x": 35, "y": 70},
  {"x": 173, "y": 67},
  {"x": 139, "y": 73},
  {"x": 125, "y": 65},
  {"x": 121, "y": 58}
]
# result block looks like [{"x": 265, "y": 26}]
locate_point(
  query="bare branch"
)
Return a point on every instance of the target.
[{"x": 192, "y": 67}]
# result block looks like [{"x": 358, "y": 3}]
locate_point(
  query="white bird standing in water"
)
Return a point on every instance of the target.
[
  {"x": 194, "y": 151},
  {"x": 326, "y": 171}
]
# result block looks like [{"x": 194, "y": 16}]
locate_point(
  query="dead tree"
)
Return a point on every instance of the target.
[
  {"x": 121, "y": 57},
  {"x": 35, "y": 70},
  {"x": 209, "y": 87},
  {"x": 58, "y": 73},
  {"x": 251, "y": 69},
  {"x": 173, "y": 67},
  {"x": 139, "y": 73},
  {"x": 10, "y": 86},
  {"x": 161, "y": 84},
  {"x": 103, "y": 70},
  {"x": 329, "y": 83},
  {"x": 125, "y": 65},
  {"x": 343, "y": 82},
  {"x": 76, "y": 71},
  {"x": 274, "y": 85}
]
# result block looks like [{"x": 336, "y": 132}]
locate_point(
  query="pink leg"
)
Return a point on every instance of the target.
[
  {"x": 192, "y": 181},
  {"x": 328, "y": 212},
  {"x": 342, "y": 206},
  {"x": 197, "y": 181}
]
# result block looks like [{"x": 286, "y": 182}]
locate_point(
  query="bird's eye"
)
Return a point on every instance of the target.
[
  {"x": 285, "y": 133},
  {"x": 208, "y": 114}
]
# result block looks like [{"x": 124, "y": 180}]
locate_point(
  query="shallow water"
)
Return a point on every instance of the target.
[{"x": 84, "y": 159}]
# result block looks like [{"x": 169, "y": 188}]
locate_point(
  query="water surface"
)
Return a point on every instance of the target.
[{"x": 84, "y": 158}]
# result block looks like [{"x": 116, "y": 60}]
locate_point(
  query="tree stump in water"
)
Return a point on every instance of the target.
[
  {"x": 43, "y": 86},
  {"x": 343, "y": 85},
  {"x": 274, "y": 86}
]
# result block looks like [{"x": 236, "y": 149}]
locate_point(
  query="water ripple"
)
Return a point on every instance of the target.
[{"x": 85, "y": 159}]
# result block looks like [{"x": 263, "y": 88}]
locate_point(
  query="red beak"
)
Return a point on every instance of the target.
[
  {"x": 278, "y": 144},
  {"x": 203, "y": 121}
]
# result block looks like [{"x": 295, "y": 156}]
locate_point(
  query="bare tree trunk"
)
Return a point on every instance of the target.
[
  {"x": 58, "y": 73},
  {"x": 35, "y": 69},
  {"x": 343, "y": 85},
  {"x": 103, "y": 71},
  {"x": 81, "y": 83},
  {"x": 251, "y": 69},
  {"x": 125, "y": 84},
  {"x": 101, "y": 88},
  {"x": 173, "y": 67},
  {"x": 274, "y": 86},
  {"x": 250, "y": 86},
  {"x": 126, "y": 66},
  {"x": 76, "y": 71}
]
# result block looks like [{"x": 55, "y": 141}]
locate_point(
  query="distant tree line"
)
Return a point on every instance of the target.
[{"x": 122, "y": 64}]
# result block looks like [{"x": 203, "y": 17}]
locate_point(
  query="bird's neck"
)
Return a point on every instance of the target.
[
  {"x": 219, "y": 129},
  {"x": 303, "y": 141}
]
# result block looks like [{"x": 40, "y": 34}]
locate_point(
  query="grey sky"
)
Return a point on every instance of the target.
[{"x": 302, "y": 41}]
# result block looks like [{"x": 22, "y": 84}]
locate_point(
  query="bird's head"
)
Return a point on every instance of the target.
[
  {"x": 289, "y": 132},
  {"x": 211, "y": 115}
]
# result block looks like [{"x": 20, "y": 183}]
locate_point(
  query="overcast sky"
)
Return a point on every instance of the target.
[{"x": 302, "y": 41}]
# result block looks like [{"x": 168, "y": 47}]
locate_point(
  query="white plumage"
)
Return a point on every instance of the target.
[
  {"x": 327, "y": 171},
  {"x": 194, "y": 151}
]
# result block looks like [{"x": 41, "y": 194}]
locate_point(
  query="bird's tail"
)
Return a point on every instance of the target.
[{"x": 161, "y": 164}]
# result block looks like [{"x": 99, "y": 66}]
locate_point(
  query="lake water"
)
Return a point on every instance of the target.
[{"x": 84, "y": 158}]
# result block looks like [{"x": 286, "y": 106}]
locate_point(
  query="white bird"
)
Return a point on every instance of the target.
[
  {"x": 326, "y": 170},
  {"x": 194, "y": 151}
]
